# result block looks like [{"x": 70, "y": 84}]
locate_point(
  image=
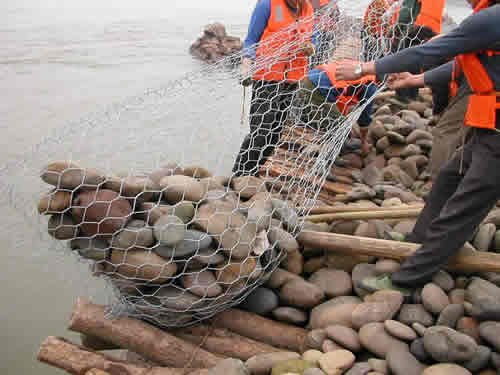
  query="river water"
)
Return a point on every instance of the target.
[{"x": 61, "y": 60}]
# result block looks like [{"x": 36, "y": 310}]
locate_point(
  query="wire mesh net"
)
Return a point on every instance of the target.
[{"x": 155, "y": 194}]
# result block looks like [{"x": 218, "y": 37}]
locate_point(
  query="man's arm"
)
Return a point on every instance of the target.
[
  {"x": 478, "y": 32},
  {"x": 258, "y": 23}
]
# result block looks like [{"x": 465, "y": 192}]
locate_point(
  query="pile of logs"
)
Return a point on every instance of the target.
[{"x": 232, "y": 334}]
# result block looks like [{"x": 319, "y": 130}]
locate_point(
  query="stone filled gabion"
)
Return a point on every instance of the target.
[{"x": 177, "y": 245}]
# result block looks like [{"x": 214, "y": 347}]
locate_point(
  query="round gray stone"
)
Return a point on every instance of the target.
[
  {"x": 415, "y": 313},
  {"x": 344, "y": 336},
  {"x": 401, "y": 362},
  {"x": 434, "y": 298},
  {"x": 417, "y": 348},
  {"x": 447, "y": 345},
  {"x": 480, "y": 359},
  {"x": 400, "y": 330},
  {"x": 261, "y": 301},
  {"x": 450, "y": 315},
  {"x": 290, "y": 315},
  {"x": 444, "y": 280},
  {"x": 193, "y": 242},
  {"x": 334, "y": 283},
  {"x": 169, "y": 230},
  {"x": 374, "y": 338}
]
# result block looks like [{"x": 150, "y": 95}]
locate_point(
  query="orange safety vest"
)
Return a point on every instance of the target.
[
  {"x": 283, "y": 36},
  {"x": 431, "y": 14},
  {"x": 347, "y": 98},
  {"x": 372, "y": 19},
  {"x": 483, "y": 103}
]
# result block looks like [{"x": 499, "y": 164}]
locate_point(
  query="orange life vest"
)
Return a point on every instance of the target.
[
  {"x": 483, "y": 103},
  {"x": 431, "y": 14},
  {"x": 347, "y": 98},
  {"x": 372, "y": 19},
  {"x": 284, "y": 34}
]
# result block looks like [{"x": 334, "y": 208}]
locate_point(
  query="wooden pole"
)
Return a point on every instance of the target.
[
  {"x": 78, "y": 360},
  {"x": 478, "y": 261},
  {"x": 347, "y": 208},
  {"x": 139, "y": 337},
  {"x": 265, "y": 330},
  {"x": 223, "y": 342},
  {"x": 95, "y": 343},
  {"x": 366, "y": 215}
]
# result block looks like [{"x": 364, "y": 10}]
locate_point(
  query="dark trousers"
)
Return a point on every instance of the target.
[
  {"x": 269, "y": 106},
  {"x": 461, "y": 197}
]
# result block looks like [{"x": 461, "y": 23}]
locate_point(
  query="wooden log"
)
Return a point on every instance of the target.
[
  {"x": 348, "y": 208},
  {"x": 366, "y": 215},
  {"x": 95, "y": 343},
  {"x": 78, "y": 360},
  {"x": 479, "y": 261},
  {"x": 224, "y": 342},
  {"x": 265, "y": 330},
  {"x": 142, "y": 338},
  {"x": 95, "y": 371}
]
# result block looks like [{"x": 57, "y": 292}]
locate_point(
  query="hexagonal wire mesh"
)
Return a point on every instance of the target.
[{"x": 177, "y": 235}]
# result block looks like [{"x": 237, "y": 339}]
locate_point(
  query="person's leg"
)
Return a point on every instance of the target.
[
  {"x": 445, "y": 185},
  {"x": 262, "y": 115},
  {"x": 476, "y": 194},
  {"x": 447, "y": 136},
  {"x": 448, "y": 133},
  {"x": 270, "y": 134}
]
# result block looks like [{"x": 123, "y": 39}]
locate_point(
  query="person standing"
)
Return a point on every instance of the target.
[
  {"x": 326, "y": 17},
  {"x": 345, "y": 96},
  {"x": 417, "y": 22},
  {"x": 276, "y": 52},
  {"x": 468, "y": 186},
  {"x": 374, "y": 29}
]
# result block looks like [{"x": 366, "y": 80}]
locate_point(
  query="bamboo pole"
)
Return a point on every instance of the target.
[
  {"x": 142, "y": 338},
  {"x": 352, "y": 208},
  {"x": 366, "y": 215},
  {"x": 223, "y": 342},
  {"x": 478, "y": 261},
  {"x": 78, "y": 360},
  {"x": 265, "y": 330}
]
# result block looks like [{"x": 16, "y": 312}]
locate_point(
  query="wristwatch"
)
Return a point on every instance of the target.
[{"x": 359, "y": 70}]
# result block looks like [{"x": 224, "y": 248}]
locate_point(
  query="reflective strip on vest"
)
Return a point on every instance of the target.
[{"x": 279, "y": 13}]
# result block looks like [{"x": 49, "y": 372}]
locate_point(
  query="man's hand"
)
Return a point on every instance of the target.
[
  {"x": 308, "y": 49},
  {"x": 346, "y": 71},
  {"x": 245, "y": 66},
  {"x": 401, "y": 80}
]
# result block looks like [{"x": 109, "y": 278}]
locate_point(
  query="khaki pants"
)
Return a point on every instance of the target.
[{"x": 448, "y": 133}]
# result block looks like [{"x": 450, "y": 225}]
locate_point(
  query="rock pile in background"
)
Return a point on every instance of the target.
[{"x": 214, "y": 44}]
